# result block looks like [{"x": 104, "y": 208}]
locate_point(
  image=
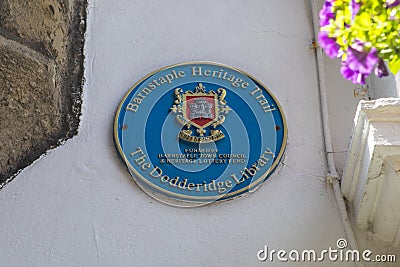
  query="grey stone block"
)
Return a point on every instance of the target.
[
  {"x": 43, "y": 23},
  {"x": 29, "y": 104},
  {"x": 41, "y": 78}
]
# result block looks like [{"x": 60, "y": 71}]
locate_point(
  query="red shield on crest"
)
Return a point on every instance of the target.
[{"x": 200, "y": 109}]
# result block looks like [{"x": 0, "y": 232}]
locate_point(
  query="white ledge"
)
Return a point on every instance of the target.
[{"x": 371, "y": 179}]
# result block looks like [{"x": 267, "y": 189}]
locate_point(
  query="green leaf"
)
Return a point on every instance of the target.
[
  {"x": 364, "y": 20},
  {"x": 394, "y": 65}
]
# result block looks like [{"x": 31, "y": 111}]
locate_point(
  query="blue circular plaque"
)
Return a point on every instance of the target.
[{"x": 199, "y": 132}]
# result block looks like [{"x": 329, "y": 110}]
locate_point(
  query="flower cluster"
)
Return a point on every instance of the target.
[{"x": 363, "y": 34}]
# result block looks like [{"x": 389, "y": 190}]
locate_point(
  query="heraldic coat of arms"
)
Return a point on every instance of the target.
[{"x": 200, "y": 110}]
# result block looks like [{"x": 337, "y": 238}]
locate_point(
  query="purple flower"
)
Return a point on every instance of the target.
[
  {"x": 355, "y": 7},
  {"x": 381, "y": 70},
  {"x": 392, "y": 4},
  {"x": 359, "y": 64},
  {"x": 326, "y": 13},
  {"x": 364, "y": 61},
  {"x": 331, "y": 48},
  {"x": 356, "y": 78}
]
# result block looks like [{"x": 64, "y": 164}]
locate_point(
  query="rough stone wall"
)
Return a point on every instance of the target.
[{"x": 41, "y": 75}]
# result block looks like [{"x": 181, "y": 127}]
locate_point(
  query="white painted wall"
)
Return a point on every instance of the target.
[
  {"x": 343, "y": 98},
  {"x": 385, "y": 87},
  {"x": 77, "y": 206}
]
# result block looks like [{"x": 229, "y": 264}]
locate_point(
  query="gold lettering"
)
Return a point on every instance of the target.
[
  {"x": 132, "y": 107},
  {"x": 146, "y": 91},
  {"x": 196, "y": 70},
  {"x": 269, "y": 108},
  {"x": 138, "y": 150},
  {"x": 255, "y": 91},
  {"x": 137, "y": 100},
  {"x": 207, "y": 72}
]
